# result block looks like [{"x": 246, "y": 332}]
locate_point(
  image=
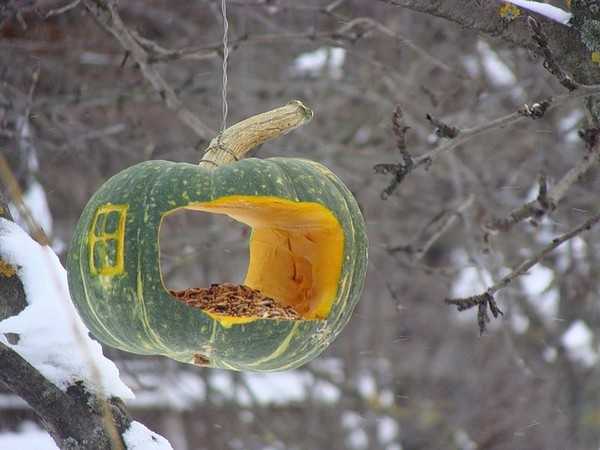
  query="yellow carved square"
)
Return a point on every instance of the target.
[{"x": 99, "y": 235}]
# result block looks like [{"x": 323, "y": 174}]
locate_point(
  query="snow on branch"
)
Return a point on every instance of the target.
[
  {"x": 54, "y": 364},
  {"x": 551, "y": 12},
  {"x": 52, "y": 337}
]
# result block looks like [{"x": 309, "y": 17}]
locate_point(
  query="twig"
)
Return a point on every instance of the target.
[
  {"x": 161, "y": 54},
  {"x": 443, "y": 130},
  {"x": 401, "y": 39},
  {"x": 105, "y": 12},
  {"x": 550, "y": 63},
  {"x": 400, "y": 129},
  {"x": 400, "y": 170},
  {"x": 63, "y": 9},
  {"x": 483, "y": 302},
  {"x": 442, "y": 223},
  {"x": 542, "y": 197},
  {"x": 548, "y": 200},
  {"x": 534, "y": 111},
  {"x": 332, "y": 6},
  {"x": 529, "y": 263},
  {"x": 486, "y": 299}
]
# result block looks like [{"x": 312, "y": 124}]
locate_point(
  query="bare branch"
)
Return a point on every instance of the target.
[
  {"x": 529, "y": 263},
  {"x": 63, "y": 9},
  {"x": 443, "y": 130},
  {"x": 105, "y": 12},
  {"x": 548, "y": 200},
  {"x": 550, "y": 63},
  {"x": 486, "y": 300},
  {"x": 402, "y": 169},
  {"x": 462, "y": 136},
  {"x": 483, "y": 16},
  {"x": 440, "y": 225},
  {"x": 504, "y": 121}
]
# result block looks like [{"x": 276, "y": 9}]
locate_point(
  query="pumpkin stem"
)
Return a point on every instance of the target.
[{"x": 233, "y": 143}]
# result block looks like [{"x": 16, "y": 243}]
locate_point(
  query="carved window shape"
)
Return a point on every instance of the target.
[{"x": 107, "y": 240}]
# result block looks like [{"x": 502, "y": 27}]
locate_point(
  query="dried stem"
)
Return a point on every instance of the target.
[{"x": 237, "y": 140}]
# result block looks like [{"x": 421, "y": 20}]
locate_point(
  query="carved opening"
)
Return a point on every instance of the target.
[{"x": 290, "y": 252}]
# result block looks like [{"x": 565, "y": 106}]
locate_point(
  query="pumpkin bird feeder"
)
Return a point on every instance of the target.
[{"x": 308, "y": 254}]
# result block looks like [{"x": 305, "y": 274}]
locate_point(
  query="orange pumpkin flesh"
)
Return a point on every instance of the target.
[{"x": 296, "y": 251}]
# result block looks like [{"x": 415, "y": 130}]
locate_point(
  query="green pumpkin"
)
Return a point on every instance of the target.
[{"x": 308, "y": 249}]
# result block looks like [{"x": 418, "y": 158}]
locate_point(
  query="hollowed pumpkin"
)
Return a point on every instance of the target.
[{"x": 308, "y": 249}]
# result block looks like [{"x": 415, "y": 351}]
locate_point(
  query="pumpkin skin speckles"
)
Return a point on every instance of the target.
[{"x": 130, "y": 308}]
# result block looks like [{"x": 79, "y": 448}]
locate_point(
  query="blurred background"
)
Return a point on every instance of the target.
[{"x": 408, "y": 372}]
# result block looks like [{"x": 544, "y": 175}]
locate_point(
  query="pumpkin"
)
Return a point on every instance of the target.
[{"x": 308, "y": 250}]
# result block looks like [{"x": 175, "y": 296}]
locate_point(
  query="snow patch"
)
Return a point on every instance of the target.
[
  {"x": 519, "y": 321},
  {"x": 95, "y": 59},
  {"x": 497, "y": 71},
  {"x": 568, "y": 125},
  {"x": 543, "y": 9},
  {"x": 138, "y": 437},
  {"x": 28, "y": 437},
  {"x": 52, "y": 337},
  {"x": 464, "y": 441},
  {"x": 351, "y": 419},
  {"x": 546, "y": 304},
  {"x": 356, "y": 437},
  {"x": 578, "y": 340},
  {"x": 536, "y": 286},
  {"x": 366, "y": 385},
  {"x": 550, "y": 354},
  {"x": 471, "y": 66},
  {"x": 276, "y": 388},
  {"x": 179, "y": 392},
  {"x": 387, "y": 429},
  {"x": 325, "y": 60},
  {"x": 575, "y": 248},
  {"x": 536, "y": 280},
  {"x": 386, "y": 398},
  {"x": 471, "y": 281}
]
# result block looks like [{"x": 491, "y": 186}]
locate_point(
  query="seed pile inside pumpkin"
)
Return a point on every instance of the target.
[{"x": 235, "y": 300}]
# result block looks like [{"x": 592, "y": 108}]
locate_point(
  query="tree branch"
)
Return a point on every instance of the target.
[
  {"x": 484, "y": 17},
  {"x": 486, "y": 299},
  {"x": 462, "y": 136},
  {"x": 106, "y": 14},
  {"x": 75, "y": 418},
  {"x": 548, "y": 201}
]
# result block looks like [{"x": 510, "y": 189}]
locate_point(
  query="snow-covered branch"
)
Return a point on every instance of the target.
[{"x": 48, "y": 358}]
